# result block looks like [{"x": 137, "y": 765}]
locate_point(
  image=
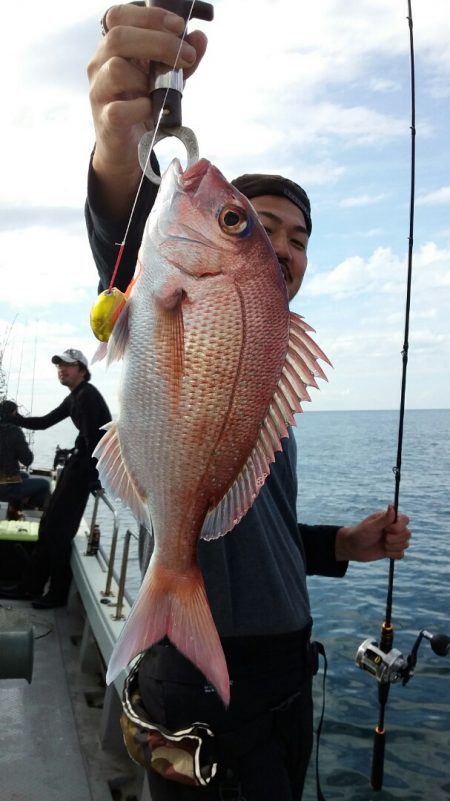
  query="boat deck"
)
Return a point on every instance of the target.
[{"x": 53, "y": 731}]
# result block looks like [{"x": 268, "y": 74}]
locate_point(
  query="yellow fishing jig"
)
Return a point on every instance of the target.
[{"x": 105, "y": 312}]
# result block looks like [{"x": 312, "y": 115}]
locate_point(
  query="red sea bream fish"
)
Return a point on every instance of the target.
[{"x": 214, "y": 367}]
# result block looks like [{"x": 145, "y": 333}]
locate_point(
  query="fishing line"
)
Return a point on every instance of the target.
[
  {"x": 121, "y": 245},
  {"x": 387, "y": 630},
  {"x": 34, "y": 369},
  {"x": 4, "y": 376},
  {"x": 19, "y": 374}
]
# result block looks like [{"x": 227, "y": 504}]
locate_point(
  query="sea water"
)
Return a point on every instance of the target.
[
  {"x": 345, "y": 471},
  {"x": 345, "y": 462}
]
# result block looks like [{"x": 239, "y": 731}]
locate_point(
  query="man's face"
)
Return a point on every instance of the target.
[
  {"x": 285, "y": 225},
  {"x": 70, "y": 375}
]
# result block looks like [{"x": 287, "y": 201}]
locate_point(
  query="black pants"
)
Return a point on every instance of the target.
[
  {"x": 270, "y": 686},
  {"x": 58, "y": 526}
]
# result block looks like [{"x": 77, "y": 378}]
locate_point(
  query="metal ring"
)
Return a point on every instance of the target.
[{"x": 103, "y": 26}]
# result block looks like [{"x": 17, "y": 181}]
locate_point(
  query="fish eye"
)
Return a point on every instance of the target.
[{"x": 233, "y": 220}]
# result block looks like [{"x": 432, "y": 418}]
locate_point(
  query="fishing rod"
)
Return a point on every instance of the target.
[
  {"x": 31, "y": 434},
  {"x": 381, "y": 660}
]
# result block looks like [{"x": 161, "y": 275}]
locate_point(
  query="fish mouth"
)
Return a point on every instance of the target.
[
  {"x": 186, "y": 182},
  {"x": 191, "y": 178}
]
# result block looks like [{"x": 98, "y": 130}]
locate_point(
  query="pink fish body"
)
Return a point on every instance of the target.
[{"x": 215, "y": 365}]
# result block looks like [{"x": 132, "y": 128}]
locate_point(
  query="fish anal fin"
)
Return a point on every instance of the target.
[
  {"x": 174, "y": 605},
  {"x": 115, "y": 476}
]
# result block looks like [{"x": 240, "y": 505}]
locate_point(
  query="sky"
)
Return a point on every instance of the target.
[{"x": 319, "y": 92}]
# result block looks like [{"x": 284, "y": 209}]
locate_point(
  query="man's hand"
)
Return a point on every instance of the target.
[
  {"x": 375, "y": 537},
  {"x": 120, "y": 80}
]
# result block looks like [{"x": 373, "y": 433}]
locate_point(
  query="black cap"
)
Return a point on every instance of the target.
[{"x": 255, "y": 184}]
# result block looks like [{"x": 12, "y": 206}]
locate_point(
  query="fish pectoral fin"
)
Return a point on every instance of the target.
[
  {"x": 115, "y": 476},
  {"x": 118, "y": 340},
  {"x": 100, "y": 352},
  {"x": 174, "y": 605},
  {"x": 169, "y": 338},
  {"x": 299, "y": 371}
]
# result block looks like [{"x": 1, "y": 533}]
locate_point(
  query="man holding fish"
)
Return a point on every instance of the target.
[{"x": 215, "y": 366}]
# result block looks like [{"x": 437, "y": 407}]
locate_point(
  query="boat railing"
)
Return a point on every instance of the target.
[
  {"x": 93, "y": 539},
  {"x": 95, "y": 548},
  {"x": 123, "y": 574}
]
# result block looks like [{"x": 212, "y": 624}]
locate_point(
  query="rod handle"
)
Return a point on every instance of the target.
[{"x": 379, "y": 741}]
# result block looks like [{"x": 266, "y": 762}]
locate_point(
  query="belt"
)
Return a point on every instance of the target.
[{"x": 245, "y": 656}]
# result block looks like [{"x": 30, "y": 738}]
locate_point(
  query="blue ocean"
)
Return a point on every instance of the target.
[
  {"x": 345, "y": 462},
  {"x": 345, "y": 472}
]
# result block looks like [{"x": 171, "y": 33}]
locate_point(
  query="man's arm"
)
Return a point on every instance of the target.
[
  {"x": 375, "y": 537},
  {"x": 120, "y": 77},
  {"x": 91, "y": 415},
  {"x": 47, "y": 420},
  {"x": 105, "y": 233},
  {"x": 24, "y": 454},
  {"x": 328, "y": 549},
  {"x": 319, "y": 544}
]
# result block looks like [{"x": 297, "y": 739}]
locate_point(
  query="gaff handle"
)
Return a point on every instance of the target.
[{"x": 168, "y": 90}]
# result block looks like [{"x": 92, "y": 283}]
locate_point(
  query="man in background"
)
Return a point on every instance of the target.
[
  {"x": 16, "y": 486},
  {"x": 60, "y": 522}
]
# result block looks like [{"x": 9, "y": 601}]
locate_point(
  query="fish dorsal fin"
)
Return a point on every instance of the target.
[
  {"x": 299, "y": 371},
  {"x": 119, "y": 338},
  {"x": 115, "y": 476}
]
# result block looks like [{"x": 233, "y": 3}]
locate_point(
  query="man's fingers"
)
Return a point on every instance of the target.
[
  {"x": 152, "y": 18},
  {"x": 116, "y": 79},
  {"x": 199, "y": 41}
]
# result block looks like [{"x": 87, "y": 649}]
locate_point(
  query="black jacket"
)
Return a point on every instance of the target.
[
  {"x": 88, "y": 411},
  {"x": 13, "y": 450}
]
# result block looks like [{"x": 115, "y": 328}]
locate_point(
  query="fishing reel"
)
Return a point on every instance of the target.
[{"x": 391, "y": 666}]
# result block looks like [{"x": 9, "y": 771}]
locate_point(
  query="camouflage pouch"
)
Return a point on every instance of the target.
[
  {"x": 183, "y": 756},
  {"x": 9, "y": 478}
]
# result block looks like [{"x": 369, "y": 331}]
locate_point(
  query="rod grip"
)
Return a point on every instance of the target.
[{"x": 379, "y": 740}]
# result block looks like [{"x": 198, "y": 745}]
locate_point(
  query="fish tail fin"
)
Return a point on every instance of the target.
[{"x": 174, "y": 605}]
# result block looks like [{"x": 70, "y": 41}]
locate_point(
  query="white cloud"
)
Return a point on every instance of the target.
[
  {"x": 383, "y": 272},
  {"x": 384, "y": 85},
  {"x": 43, "y": 267},
  {"x": 361, "y": 200},
  {"x": 438, "y": 197},
  {"x": 319, "y": 91}
]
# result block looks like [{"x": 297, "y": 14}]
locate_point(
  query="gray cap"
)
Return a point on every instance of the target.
[
  {"x": 70, "y": 356},
  {"x": 256, "y": 184}
]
